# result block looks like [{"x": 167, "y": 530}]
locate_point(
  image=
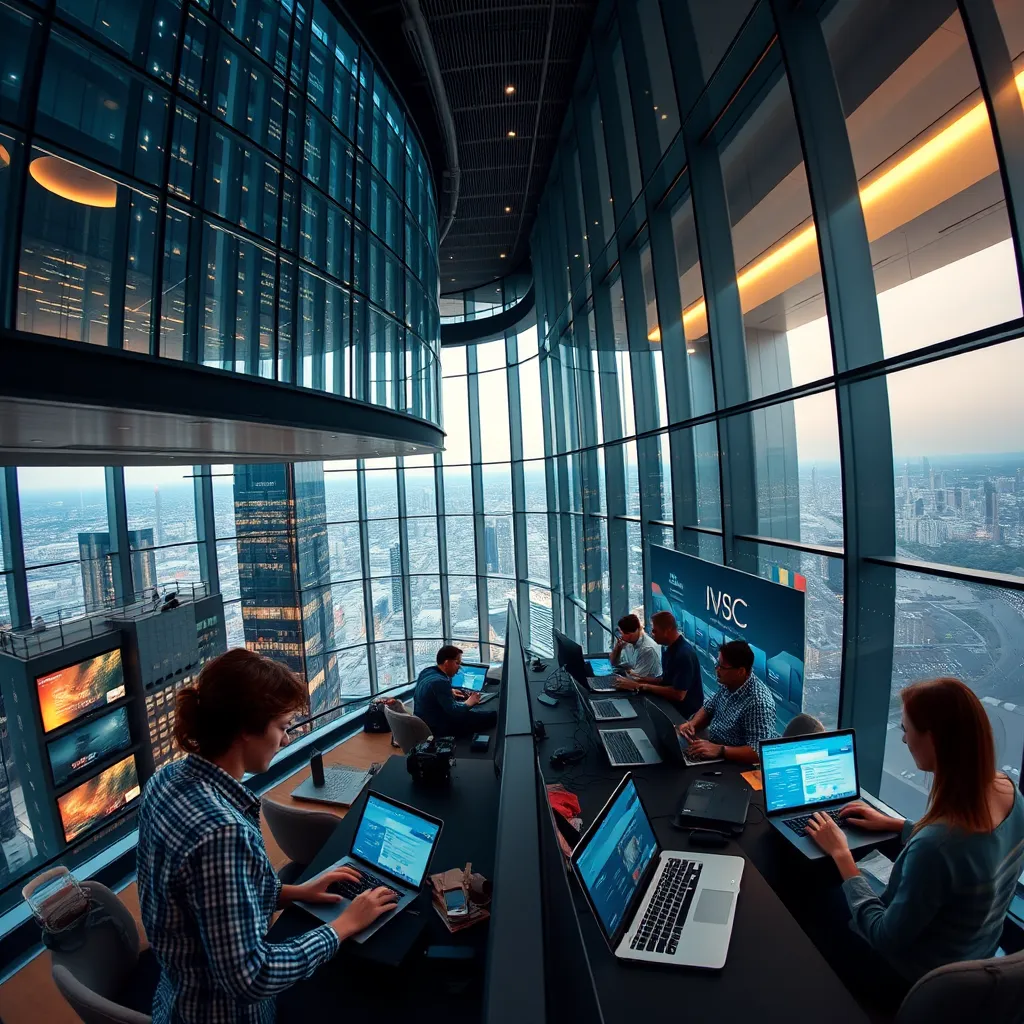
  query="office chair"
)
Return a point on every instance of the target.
[
  {"x": 300, "y": 833},
  {"x": 408, "y": 730},
  {"x": 987, "y": 990},
  {"x": 802, "y": 725},
  {"x": 106, "y": 979}
]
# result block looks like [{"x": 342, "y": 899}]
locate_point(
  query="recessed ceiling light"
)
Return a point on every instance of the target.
[
  {"x": 511, "y": 135},
  {"x": 508, "y": 209},
  {"x": 509, "y": 89},
  {"x": 502, "y": 256}
]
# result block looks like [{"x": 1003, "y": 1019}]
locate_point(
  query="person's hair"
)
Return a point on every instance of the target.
[
  {"x": 664, "y": 620},
  {"x": 965, "y": 756},
  {"x": 237, "y": 693},
  {"x": 803, "y": 725},
  {"x": 737, "y": 654},
  {"x": 629, "y": 623},
  {"x": 448, "y": 653}
]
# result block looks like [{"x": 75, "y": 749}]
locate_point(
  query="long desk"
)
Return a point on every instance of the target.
[{"x": 774, "y": 970}]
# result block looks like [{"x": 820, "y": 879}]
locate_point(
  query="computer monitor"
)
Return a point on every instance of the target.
[
  {"x": 78, "y": 750},
  {"x": 807, "y": 770},
  {"x": 86, "y": 806},
  {"x": 76, "y": 690},
  {"x": 569, "y": 655},
  {"x": 470, "y": 677},
  {"x": 396, "y": 839}
]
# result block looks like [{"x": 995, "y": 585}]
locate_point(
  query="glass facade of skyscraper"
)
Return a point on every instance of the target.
[{"x": 231, "y": 183}]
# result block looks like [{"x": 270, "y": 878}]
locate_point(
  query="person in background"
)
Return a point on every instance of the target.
[
  {"x": 635, "y": 652},
  {"x": 207, "y": 889},
  {"x": 679, "y": 680},
  {"x": 435, "y": 700},
  {"x": 738, "y": 715},
  {"x": 952, "y": 883}
]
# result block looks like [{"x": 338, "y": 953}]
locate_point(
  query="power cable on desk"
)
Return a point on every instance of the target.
[{"x": 754, "y": 807}]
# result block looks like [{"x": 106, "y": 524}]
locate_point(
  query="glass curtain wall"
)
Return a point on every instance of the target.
[
  {"x": 702, "y": 392},
  {"x": 230, "y": 183}
]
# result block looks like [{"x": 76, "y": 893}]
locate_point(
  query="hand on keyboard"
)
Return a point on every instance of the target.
[
  {"x": 702, "y": 750},
  {"x": 323, "y": 888},
  {"x": 363, "y": 911},
  {"x": 356, "y": 882},
  {"x": 822, "y": 828}
]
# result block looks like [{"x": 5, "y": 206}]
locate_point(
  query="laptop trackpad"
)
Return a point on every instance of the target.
[{"x": 713, "y": 907}]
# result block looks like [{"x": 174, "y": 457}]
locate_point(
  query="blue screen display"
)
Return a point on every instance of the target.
[
  {"x": 78, "y": 750},
  {"x": 395, "y": 840},
  {"x": 808, "y": 771},
  {"x": 616, "y": 857},
  {"x": 470, "y": 677},
  {"x": 602, "y": 666}
]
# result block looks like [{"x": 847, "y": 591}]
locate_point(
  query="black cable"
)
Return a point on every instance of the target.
[{"x": 754, "y": 807}]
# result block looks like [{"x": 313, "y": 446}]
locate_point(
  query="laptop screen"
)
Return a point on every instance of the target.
[
  {"x": 470, "y": 677},
  {"x": 395, "y": 839},
  {"x": 808, "y": 770},
  {"x": 602, "y": 666},
  {"x": 615, "y": 858}
]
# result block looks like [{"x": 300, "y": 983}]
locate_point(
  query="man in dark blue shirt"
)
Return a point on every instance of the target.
[
  {"x": 436, "y": 703},
  {"x": 680, "y": 680}
]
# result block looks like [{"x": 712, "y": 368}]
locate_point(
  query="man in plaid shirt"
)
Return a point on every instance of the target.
[
  {"x": 206, "y": 886},
  {"x": 738, "y": 715}
]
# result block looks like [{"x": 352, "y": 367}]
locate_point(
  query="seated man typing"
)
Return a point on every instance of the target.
[
  {"x": 436, "y": 703},
  {"x": 680, "y": 679},
  {"x": 739, "y": 715}
]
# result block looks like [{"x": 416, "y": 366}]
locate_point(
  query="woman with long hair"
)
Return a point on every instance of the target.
[
  {"x": 953, "y": 881},
  {"x": 206, "y": 886}
]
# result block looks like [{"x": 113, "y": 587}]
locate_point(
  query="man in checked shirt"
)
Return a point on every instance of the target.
[{"x": 206, "y": 886}]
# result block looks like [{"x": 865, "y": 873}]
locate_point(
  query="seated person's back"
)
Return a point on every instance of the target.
[{"x": 436, "y": 704}]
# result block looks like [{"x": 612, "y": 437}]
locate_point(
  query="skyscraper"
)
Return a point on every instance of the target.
[
  {"x": 94, "y": 552},
  {"x": 504, "y": 542},
  {"x": 491, "y": 546},
  {"x": 396, "y": 576},
  {"x": 284, "y": 572},
  {"x": 992, "y": 510},
  {"x": 159, "y": 519}
]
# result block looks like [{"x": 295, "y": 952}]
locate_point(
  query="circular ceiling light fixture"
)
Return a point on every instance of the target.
[
  {"x": 74, "y": 182},
  {"x": 511, "y": 135},
  {"x": 509, "y": 90}
]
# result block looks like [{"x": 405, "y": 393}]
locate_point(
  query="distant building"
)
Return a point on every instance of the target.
[
  {"x": 992, "y": 510},
  {"x": 491, "y": 546},
  {"x": 505, "y": 544},
  {"x": 284, "y": 572},
  {"x": 97, "y": 567},
  {"x": 396, "y": 576}
]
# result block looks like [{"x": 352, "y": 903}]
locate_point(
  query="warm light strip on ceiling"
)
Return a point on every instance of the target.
[{"x": 967, "y": 130}]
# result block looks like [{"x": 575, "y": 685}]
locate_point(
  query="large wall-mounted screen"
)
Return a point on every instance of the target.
[
  {"x": 85, "y": 806},
  {"x": 74, "y": 691},
  {"x": 76, "y": 751}
]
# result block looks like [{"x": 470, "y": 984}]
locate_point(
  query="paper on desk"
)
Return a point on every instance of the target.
[
  {"x": 877, "y": 866},
  {"x": 753, "y": 780}
]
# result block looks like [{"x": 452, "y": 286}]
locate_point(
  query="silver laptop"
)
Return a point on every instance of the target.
[
  {"x": 655, "y": 905},
  {"x": 806, "y": 774},
  {"x": 605, "y": 709},
  {"x": 392, "y": 848},
  {"x": 625, "y": 748},
  {"x": 341, "y": 786}
]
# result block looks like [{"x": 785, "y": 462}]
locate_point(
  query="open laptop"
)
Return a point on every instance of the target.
[
  {"x": 624, "y": 748},
  {"x": 605, "y": 709},
  {"x": 655, "y": 905},
  {"x": 392, "y": 847},
  {"x": 593, "y": 673},
  {"x": 472, "y": 678},
  {"x": 671, "y": 745},
  {"x": 806, "y": 774}
]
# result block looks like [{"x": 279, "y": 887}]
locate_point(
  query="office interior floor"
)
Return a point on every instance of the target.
[{"x": 30, "y": 995}]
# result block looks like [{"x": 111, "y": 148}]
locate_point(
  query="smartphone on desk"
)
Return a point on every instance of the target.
[{"x": 455, "y": 903}]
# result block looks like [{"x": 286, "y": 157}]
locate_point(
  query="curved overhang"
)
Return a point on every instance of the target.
[
  {"x": 65, "y": 403},
  {"x": 488, "y": 328}
]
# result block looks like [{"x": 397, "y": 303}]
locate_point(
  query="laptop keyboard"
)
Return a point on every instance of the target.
[
  {"x": 350, "y": 890},
  {"x": 622, "y": 747},
  {"x": 605, "y": 709},
  {"x": 799, "y": 825},
  {"x": 669, "y": 908},
  {"x": 485, "y": 697}
]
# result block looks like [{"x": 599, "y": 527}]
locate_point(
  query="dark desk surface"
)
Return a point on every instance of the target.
[
  {"x": 360, "y": 978},
  {"x": 773, "y": 968}
]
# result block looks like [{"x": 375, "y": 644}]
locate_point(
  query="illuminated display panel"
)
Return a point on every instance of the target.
[
  {"x": 76, "y": 751},
  {"x": 78, "y": 689},
  {"x": 85, "y": 806}
]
